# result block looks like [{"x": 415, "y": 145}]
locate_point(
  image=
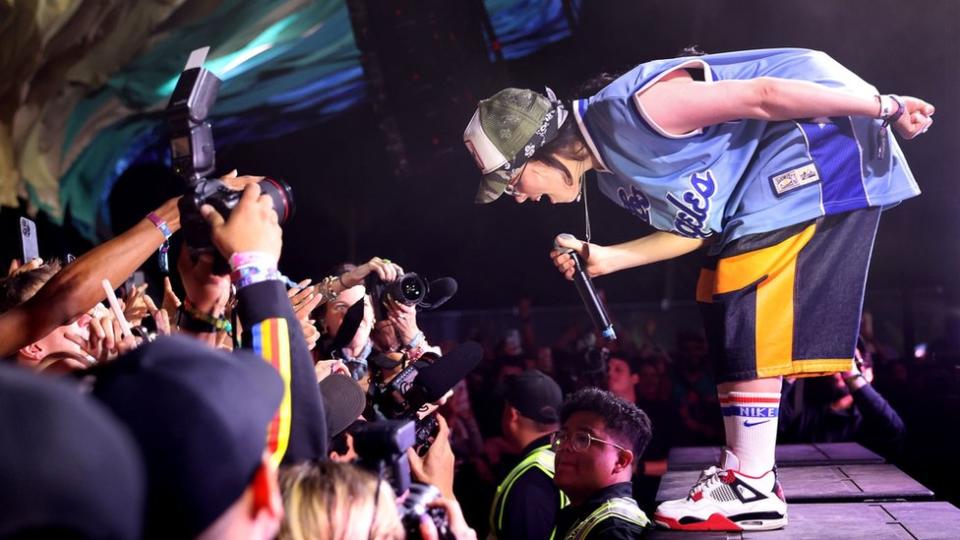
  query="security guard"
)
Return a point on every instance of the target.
[
  {"x": 527, "y": 502},
  {"x": 600, "y": 437}
]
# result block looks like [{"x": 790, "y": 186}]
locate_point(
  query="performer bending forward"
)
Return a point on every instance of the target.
[{"x": 780, "y": 161}]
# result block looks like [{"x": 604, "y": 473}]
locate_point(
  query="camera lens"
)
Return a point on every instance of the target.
[
  {"x": 411, "y": 289},
  {"x": 282, "y": 196}
]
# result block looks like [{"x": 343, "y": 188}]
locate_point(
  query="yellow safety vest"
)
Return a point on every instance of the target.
[
  {"x": 624, "y": 508},
  {"x": 541, "y": 458}
]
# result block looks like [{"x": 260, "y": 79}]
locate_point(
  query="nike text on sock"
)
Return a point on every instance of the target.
[{"x": 750, "y": 420}]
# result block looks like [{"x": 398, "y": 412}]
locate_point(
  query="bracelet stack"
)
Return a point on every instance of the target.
[
  {"x": 326, "y": 290},
  {"x": 249, "y": 267},
  {"x": 889, "y": 116},
  {"x": 190, "y": 318}
]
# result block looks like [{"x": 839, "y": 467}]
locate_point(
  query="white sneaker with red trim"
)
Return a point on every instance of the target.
[{"x": 723, "y": 499}]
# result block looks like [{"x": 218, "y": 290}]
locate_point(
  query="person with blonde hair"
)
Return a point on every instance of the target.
[{"x": 337, "y": 501}]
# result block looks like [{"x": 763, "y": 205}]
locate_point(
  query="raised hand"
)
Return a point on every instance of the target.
[
  {"x": 916, "y": 119},
  {"x": 252, "y": 226},
  {"x": 385, "y": 269},
  {"x": 134, "y": 305}
]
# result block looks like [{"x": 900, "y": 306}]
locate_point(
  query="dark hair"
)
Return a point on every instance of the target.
[
  {"x": 633, "y": 363},
  {"x": 19, "y": 288},
  {"x": 568, "y": 143},
  {"x": 623, "y": 420}
]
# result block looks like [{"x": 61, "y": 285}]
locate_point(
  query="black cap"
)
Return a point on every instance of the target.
[
  {"x": 200, "y": 417},
  {"x": 535, "y": 395},
  {"x": 343, "y": 401},
  {"x": 67, "y": 466}
]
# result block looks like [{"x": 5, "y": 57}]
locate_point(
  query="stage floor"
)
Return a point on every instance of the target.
[
  {"x": 873, "y": 521},
  {"x": 822, "y": 483}
]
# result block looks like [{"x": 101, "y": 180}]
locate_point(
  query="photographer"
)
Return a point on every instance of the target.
[
  {"x": 250, "y": 239},
  {"x": 600, "y": 437},
  {"x": 341, "y": 291},
  {"x": 436, "y": 468},
  {"x": 399, "y": 332}
]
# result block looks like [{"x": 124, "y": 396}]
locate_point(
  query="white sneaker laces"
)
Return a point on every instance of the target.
[{"x": 708, "y": 478}]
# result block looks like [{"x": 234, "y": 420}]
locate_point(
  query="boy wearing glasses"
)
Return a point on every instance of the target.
[{"x": 600, "y": 437}]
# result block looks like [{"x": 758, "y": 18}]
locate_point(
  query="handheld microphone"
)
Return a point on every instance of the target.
[{"x": 588, "y": 294}]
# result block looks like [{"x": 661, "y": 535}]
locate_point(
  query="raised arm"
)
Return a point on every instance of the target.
[
  {"x": 76, "y": 288},
  {"x": 680, "y": 104}
]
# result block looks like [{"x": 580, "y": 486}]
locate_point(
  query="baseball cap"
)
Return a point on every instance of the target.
[
  {"x": 199, "y": 416},
  {"x": 343, "y": 401},
  {"x": 69, "y": 469},
  {"x": 535, "y": 395},
  {"x": 506, "y": 130}
]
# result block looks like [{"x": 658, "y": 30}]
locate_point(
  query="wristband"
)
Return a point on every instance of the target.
[
  {"x": 249, "y": 275},
  {"x": 414, "y": 353},
  {"x": 160, "y": 224},
  {"x": 414, "y": 341},
  {"x": 258, "y": 259},
  {"x": 887, "y": 112},
  {"x": 164, "y": 229},
  {"x": 888, "y": 116}
]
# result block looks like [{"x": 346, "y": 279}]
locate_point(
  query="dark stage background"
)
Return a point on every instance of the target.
[{"x": 351, "y": 206}]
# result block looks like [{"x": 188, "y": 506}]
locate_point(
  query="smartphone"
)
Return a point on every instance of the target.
[{"x": 28, "y": 240}]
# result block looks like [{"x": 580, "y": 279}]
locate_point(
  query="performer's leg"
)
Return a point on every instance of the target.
[{"x": 750, "y": 417}]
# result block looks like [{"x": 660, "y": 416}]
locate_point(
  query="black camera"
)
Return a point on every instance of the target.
[
  {"x": 409, "y": 393},
  {"x": 409, "y": 289},
  {"x": 402, "y": 397},
  {"x": 414, "y": 506},
  {"x": 382, "y": 447},
  {"x": 194, "y": 156}
]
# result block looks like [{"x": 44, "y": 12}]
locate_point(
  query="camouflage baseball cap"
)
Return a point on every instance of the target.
[{"x": 506, "y": 130}]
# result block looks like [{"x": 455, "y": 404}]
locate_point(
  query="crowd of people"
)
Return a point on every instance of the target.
[
  {"x": 247, "y": 406},
  {"x": 534, "y": 440}
]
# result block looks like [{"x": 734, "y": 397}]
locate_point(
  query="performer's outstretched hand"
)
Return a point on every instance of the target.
[{"x": 916, "y": 119}]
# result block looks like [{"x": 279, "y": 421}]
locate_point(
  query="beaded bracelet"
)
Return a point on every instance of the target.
[{"x": 207, "y": 322}]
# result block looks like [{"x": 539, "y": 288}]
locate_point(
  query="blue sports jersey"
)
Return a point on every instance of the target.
[{"x": 746, "y": 176}]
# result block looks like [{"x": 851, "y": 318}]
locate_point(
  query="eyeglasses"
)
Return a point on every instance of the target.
[
  {"x": 510, "y": 189},
  {"x": 579, "y": 441}
]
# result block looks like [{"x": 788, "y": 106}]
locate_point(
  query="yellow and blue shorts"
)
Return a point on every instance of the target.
[{"x": 788, "y": 302}]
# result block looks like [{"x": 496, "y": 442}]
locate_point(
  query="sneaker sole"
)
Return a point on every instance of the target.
[{"x": 719, "y": 522}]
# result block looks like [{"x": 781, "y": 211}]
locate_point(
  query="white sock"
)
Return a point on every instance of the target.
[{"x": 750, "y": 420}]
